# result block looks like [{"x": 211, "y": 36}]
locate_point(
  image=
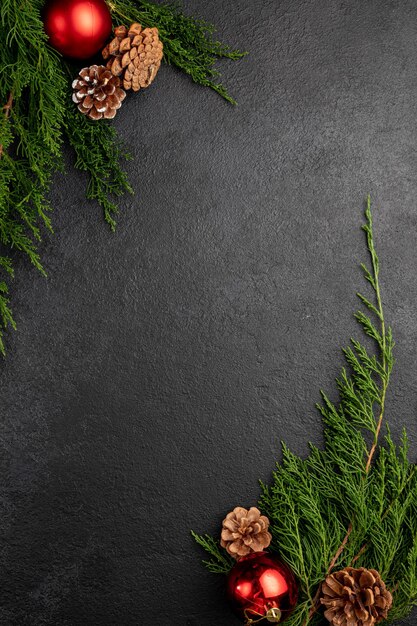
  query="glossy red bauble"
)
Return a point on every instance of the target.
[
  {"x": 77, "y": 28},
  {"x": 260, "y": 585}
]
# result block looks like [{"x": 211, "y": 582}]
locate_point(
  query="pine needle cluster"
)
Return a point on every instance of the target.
[
  {"x": 37, "y": 116},
  {"x": 354, "y": 502}
]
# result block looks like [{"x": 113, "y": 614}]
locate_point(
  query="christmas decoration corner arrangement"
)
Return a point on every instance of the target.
[
  {"x": 333, "y": 539},
  {"x": 67, "y": 66}
]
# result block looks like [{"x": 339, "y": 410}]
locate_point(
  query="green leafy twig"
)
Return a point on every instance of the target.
[
  {"x": 363, "y": 373},
  {"x": 220, "y": 562},
  {"x": 33, "y": 86},
  {"x": 355, "y": 500},
  {"x": 6, "y": 111},
  {"x": 383, "y": 338},
  {"x": 189, "y": 42},
  {"x": 33, "y": 78},
  {"x": 98, "y": 152}
]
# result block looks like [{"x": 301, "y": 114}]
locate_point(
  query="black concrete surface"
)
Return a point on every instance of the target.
[{"x": 156, "y": 369}]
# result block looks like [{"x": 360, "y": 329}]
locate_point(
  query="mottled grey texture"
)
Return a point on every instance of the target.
[{"x": 156, "y": 369}]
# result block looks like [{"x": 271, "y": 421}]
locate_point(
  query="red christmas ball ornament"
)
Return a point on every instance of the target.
[
  {"x": 77, "y": 28},
  {"x": 261, "y": 587}
]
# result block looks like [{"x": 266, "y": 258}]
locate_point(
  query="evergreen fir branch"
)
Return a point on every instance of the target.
[
  {"x": 5, "y": 124},
  {"x": 220, "y": 562},
  {"x": 98, "y": 152},
  {"x": 392, "y": 484},
  {"x": 354, "y": 502},
  {"x": 299, "y": 615},
  {"x": 189, "y": 42},
  {"x": 359, "y": 393},
  {"x": 369, "y": 304},
  {"x": 32, "y": 86},
  {"x": 6, "y": 316},
  {"x": 36, "y": 113}
]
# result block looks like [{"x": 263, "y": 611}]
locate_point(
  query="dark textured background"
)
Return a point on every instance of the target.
[{"x": 155, "y": 371}]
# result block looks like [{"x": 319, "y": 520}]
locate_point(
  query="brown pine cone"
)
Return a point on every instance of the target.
[
  {"x": 97, "y": 92},
  {"x": 355, "y": 597},
  {"x": 135, "y": 54},
  {"x": 244, "y": 532}
]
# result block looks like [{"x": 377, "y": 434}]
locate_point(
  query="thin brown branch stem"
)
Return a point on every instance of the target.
[
  {"x": 361, "y": 551},
  {"x": 7, "y": 110},
  {"x": 315, "y": 603},
  {"x": 383, "y": 390},
  {"x": 378, "y": 430},
  {"x": 340, "y": 549},
  {"x": 384, "y": 361}
]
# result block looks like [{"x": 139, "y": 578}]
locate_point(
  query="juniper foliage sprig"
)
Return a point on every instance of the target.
[
  {"x": 189, "y": 42},
  {"x": 99, "y": 152},
  {"x": 37, "y": 115},
  {"x": 220, "y": 561},
  {"x": 32, "y": 93},
  {"x": 354, "y": 502}
]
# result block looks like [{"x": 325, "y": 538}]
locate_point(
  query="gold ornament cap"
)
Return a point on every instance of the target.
[{"x": 273, "y": 616}]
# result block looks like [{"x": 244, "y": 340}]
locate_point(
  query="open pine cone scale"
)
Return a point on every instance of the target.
[
  {"x": 134, "y": 54},
  {"x": 97, "y": 92},
  {"x": 245, "y": 531},
  {"x": 355, "y": 597}
]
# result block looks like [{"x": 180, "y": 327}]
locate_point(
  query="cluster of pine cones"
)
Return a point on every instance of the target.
[
  {"x": 133, "y": 59},
  {"x": 350, "y": 597}
]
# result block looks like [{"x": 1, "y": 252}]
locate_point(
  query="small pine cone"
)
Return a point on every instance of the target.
[
  {"x": 97, "y": 92},
  {"x": 244, "y": 532},
  {"x": 135, "y": 54},
  {"x": 355, "y": 597}
]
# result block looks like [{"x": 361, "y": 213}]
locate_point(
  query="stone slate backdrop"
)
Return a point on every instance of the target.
[{"x": 156, "y": 369}]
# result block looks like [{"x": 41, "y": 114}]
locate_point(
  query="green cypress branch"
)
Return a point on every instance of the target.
[
  {"x": 98, "y": 152},
  {"x": 6, "y": 114},
  {"x": 220, "y": 562},
  {"x": 6, "y": 315},
  {"x": 354, "y": 502},
  {"x": 189, "y": 42},
  {"x": 37, "y": 114}
]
